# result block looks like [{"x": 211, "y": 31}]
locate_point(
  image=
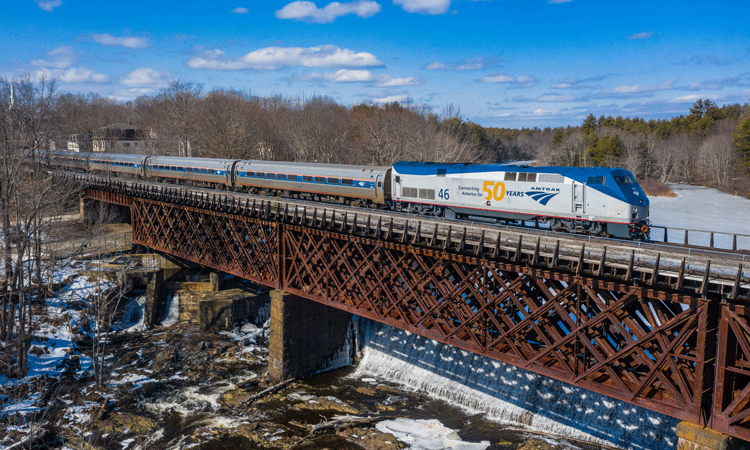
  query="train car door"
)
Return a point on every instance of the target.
[{"x": 579, "y": 198}]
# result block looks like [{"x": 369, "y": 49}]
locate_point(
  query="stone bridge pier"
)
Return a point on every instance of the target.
[{"x": 307, "y": 337}]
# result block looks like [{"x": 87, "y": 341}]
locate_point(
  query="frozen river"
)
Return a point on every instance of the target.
[{"x": 701, "y": 208}]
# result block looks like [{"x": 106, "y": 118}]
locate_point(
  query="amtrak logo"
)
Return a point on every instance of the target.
[{"x": 541, "y": 197}]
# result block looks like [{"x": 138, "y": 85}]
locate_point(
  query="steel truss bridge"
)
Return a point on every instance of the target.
[{"x": 666, "y": 329}]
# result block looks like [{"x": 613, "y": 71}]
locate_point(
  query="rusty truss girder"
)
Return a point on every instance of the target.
[
  {"x": 622, "y": 341},
  {"x": 638, "y": 337},
  {"x": 246, "y": 248},
  {"x": 732, "y": 398}
]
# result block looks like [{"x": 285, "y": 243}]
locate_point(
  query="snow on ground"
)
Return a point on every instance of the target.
[
  {"x": 427, "y": 435},
  {"x": 701, "y": 208},
  {"x": 53, "y": 340}
]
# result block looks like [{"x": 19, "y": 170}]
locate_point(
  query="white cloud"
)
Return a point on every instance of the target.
[
  {"x": 216, "y": 60},
  {"x": 579, "y": 83},
  {"x": 124, "y": 41},
  {"x": 72, "y": 75},
  {"x": 685, "y": 99},
  {"x": 350, "y": 76},
  {"x": 520, "y": 81},
  {"x": 61, "y": 58},
  {"x": 640, "y": 36},
  {"x": 146, "y": 78},
  {"x": 49, "y": 5},
  {"x": 240, "y": 10},
  {"x": 389, "y": 81},
  {"x": 309, "y": 12},
  {"x": 437, "y": 65},
  {"x": 640, "y": 88},
  {"x": 424, "y": 6},
  {"x": 477, "y": 64},
  {"x": 274, "y": 58},
  {"x": 392, "y": 98},
  {"x": 61, "y": 67},
  {"x": 555, "y": 98}
]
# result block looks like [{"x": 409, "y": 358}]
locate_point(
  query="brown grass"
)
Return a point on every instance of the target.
[{"x": 655, "y": 188}]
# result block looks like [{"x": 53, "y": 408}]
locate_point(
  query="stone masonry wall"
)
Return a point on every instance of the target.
[{"x": 306, "y": 337}]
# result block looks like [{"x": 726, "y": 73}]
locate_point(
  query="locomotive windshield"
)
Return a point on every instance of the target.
[{"x": 623, "y": 180}]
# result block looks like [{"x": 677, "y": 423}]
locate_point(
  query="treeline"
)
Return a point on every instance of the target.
[{"x": 185, "y": 120}]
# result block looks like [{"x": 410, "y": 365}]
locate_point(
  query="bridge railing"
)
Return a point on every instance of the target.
[{"x": 701, "y": 238}]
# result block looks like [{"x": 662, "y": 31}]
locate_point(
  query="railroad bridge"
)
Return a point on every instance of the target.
[{"x": 665, "y": 328}]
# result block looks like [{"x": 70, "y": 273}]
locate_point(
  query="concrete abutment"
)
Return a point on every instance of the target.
[{"x": 306, "y": 337}]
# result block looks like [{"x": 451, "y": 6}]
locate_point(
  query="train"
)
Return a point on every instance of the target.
[{"x": 595, "y": 200}]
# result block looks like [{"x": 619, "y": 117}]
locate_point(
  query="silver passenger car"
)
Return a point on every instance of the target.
[
  {"x": 68, "y": 160},
  {"x": 117, "y": 163},
  {"x": 200, "y": 170},
  {"x": 335, "y": 180}
]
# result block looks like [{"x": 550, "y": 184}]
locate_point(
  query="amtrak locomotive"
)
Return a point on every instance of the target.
[{"x": 598, "y": 201}]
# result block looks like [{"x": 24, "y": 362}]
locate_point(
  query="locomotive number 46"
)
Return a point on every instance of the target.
[
  {"x": 494, "y": 190},
  {"x": 444, "y": 194}
]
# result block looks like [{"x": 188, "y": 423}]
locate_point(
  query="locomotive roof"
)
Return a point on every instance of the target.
[{"x": 429, "y": 168}]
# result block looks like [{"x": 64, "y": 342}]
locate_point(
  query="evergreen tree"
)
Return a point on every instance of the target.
[{"x": 742, "y": 141}]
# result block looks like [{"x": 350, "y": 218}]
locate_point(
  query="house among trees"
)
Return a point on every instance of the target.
[{"x": 120, "y": 137}]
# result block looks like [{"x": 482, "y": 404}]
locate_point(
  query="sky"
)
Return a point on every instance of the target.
[{"x": 499, "y": 63}]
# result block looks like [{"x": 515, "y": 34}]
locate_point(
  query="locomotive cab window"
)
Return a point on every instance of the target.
[
  {"x": 596, "y": 180},
  {"x": 622, "y": 180}
]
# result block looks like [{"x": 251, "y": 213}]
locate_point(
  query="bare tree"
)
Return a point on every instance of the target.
[
  {"x": 174, "y": 114},
  {"x": 717, "y": 154},
  {"x": 572, "y": 150},
  {"x": 28, "y": 192},
  {"x": 634, "y": 155}
]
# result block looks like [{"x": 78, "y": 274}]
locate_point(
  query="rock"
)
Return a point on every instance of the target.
[
  {"x": 234, "y": 398},
  {"x": 537, "y": 444},
  {"x": 121, "y": 422},
  {"x": 366, "y": 391},
  {"x": 372, "y": 439},
  {"x": 327, "y": 404}
]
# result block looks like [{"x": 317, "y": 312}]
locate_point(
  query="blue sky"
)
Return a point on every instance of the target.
[{"x": 505, "y": 63}]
